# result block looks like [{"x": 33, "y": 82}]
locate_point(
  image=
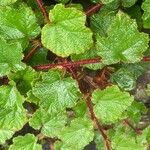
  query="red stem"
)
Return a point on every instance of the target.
[
  {"x": 146, "y": 58},
  {"x": 31, "y": 53},
  {"x": 93, "y": 9},
  {"x": 68, "y": 64},
  {"x": 98, "y": 124},
  {"x": 43, "y": 10}
]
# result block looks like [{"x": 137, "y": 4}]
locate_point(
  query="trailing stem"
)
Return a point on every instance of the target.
[
  {"x": 43, "y": 10},
  {"x": 98, "y": 124},
  {"x": 31, "y": 52},
  {"x": 68, "y": 64},
  {"x": 90, "y": 11}
]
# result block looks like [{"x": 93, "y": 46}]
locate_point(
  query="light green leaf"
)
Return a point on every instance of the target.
[
  {"x": 77, "y": 135},
  {"x": 18, "y": 24},
  {"x": 123, "y": 140},
  {"x": 124, "y": 42},
  {"x": 146, "y": 15},
  {"x": 10, "y": 57},
  {"x": 67, "y": 33},
  {"x": 27, "y": 142},
  {"x": 55, "y": 92},
  {"x": 12, "y": 114},
  {"x": 24, "y": 79},
  {"x": 110, "y": 103},
  {"x": 5, "y": 134},
  {"x": 50, "y": 124},
  {"x": 6, "y": 2},
  {"x": 63, "y": 1}
]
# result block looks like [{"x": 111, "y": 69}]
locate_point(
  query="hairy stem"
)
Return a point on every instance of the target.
[
  {"x": 43, "y": 10},
  {"x": 93, "y": 9},
  {"x": 68, "y": 64}
]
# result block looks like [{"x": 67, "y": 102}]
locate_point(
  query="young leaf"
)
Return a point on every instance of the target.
[
  {"x": 110, "y": 103},
  {"x": 77, "y": 135},
  {"x": 67, "y": 33},
  {"x": 10, "y": 57},
  {"x": 6, "y": 2},
  {"x": 50, "y": 124},
  {"x": 124, "y": 42},
  {"x": 146, "y": 15},
  {"x": 18, "y": 24},
  {"x": 27, "y": 142},
  {"x": 56, "y": 93}
]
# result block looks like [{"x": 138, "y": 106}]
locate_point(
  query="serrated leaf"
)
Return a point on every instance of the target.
[
  {"x": 27, "y": 142},
  {"x": 10, "y": 57},
  {"x": 101, "y": 21},
  {"x": 116, "y": 3},
  {"x": 128, "y": 48},
  {"x": 12, "y": 114},
  {"x": 135, "y": 112},
  {"x": 6, "y": 2},
  {"x": 24, "y": 79},
  {"x": 89, "y": 55},
  {"x": 5, "y": 134},
  {"x": 18, "y": 24},
  {"x": 127, "y": 75},
  {"x": 110, "y": 103},
  {"x": 67, "y": 33},
  {"x": 50, "y": 124},
  {"x": 55, "y": 92},
  {"x": 124, "y": 141},
  {"x": 146, "y": 15},
  {"x": 77, "y": 135}
]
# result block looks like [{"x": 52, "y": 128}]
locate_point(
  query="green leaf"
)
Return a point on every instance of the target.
[
  {"x": 11, "y": 56},
  {"x": 106, "y": 1},
  {"x": 49, "y": 123},
  {"x": 77, "y": 135},
  {"x": 6, "y": 2},
  {"x": 55, "y": 92},
  {"x": 101, "y": 21},
  {"x": 5, "y": 134},
  {"x": 135, "y": 112},
  {"x": 89, "y": 55},
  {"x": 123, "y": 140},
  {"x": 62, "y": 1},
  {"x": 110, "y": 103},
  {"x": 124, "y": 42},
  {"x": 27, "y": 142},
  {"x": 146, "y": 15},
  {"x": 24, "y": 79},
  {"x": 127, "y": 75},
  {"x": 18, "y": 24},
  {"x": 67, "y": 33},
  {"x": 12, "y": 114}
]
